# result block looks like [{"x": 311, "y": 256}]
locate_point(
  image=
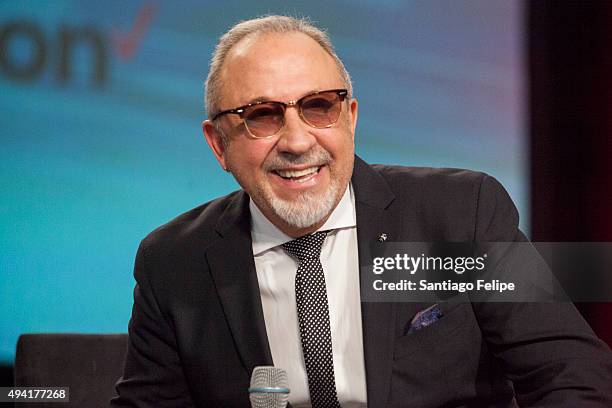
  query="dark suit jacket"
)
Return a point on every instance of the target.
[{"x": 197, "y": 328}]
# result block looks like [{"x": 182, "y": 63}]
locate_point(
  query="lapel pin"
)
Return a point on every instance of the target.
[{"x": 382, "y": 237}]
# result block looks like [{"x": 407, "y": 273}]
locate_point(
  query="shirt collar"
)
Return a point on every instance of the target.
[{"x": 266, "y": 235}]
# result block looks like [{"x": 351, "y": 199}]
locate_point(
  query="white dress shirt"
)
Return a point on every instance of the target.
[{"x": 276, "y": 272}]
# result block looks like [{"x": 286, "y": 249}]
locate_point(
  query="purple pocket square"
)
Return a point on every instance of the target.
[{"x": 424, "y": 318}]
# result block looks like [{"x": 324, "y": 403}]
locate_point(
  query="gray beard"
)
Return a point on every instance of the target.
[{"x": 307, "y": 210}]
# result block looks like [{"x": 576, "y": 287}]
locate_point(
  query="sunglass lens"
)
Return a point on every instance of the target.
[
  {"x": 264, "y": 119},
  {"x": 321, "y": 110}
]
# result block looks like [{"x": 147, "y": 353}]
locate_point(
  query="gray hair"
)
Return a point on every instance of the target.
[{"x": 263, "y": 25}]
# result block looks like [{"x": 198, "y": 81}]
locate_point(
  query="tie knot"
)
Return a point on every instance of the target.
[{"x": 308, "y": 246}]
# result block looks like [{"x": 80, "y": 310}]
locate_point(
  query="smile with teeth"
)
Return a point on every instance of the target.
[{"x": 299, "y": 176}]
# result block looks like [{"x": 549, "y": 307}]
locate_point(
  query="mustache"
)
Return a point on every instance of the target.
[{"x": 280, "y": 161}]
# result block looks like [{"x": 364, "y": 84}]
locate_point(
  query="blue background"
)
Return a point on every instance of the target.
[{"x": 88, "y": 169}]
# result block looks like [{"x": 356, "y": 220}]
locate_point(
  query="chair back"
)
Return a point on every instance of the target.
[{"x": 90, "y": 364}]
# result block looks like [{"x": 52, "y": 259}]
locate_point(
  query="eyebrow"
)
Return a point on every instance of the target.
[{"x": 266, "y": 99}]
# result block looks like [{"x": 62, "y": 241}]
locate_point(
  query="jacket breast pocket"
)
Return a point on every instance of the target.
[
  {"x": 448, "y": 332},
  {"x": 439, "y": 362}
]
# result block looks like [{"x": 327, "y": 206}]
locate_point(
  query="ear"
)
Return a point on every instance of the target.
[
  {"x": 215, "y": 141},
  {"x": 352, "y": 111}
]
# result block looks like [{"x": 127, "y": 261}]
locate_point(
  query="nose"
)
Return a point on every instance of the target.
[{"x": 295, "y": 137}]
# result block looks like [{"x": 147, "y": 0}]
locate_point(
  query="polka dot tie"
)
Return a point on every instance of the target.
[{"x": 313, "y": 317}]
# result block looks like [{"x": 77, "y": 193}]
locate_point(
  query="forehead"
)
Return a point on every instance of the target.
[{"x": 276, "y": 66}]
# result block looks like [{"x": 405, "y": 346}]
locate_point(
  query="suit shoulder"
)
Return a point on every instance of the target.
[
  {"x": 199, "y": 221},
  {"x": 456, "y": 204},
  {"x": 430, "y": 178}
]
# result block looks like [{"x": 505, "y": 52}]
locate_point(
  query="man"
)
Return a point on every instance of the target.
[{"x": 227, "y": 287}]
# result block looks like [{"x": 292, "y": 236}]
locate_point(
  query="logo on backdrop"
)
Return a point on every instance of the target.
[{"x": 26, "y": 51}]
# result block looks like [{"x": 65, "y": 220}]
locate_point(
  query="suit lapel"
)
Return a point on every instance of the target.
[
  {"x": 233, "y": 271},
  {"x": 372, "y": 199}
]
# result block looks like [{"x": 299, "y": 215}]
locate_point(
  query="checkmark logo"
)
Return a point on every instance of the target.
[{"x": 126, "y": 43}]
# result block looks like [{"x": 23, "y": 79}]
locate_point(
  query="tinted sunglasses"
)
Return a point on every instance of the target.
[{"x": 264, "y": 119}]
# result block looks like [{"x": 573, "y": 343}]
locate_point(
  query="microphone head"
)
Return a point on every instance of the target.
[{"x": 269, "y": 387}]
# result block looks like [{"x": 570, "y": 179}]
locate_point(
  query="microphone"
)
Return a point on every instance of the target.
[{"x": 269, "y": 387}]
